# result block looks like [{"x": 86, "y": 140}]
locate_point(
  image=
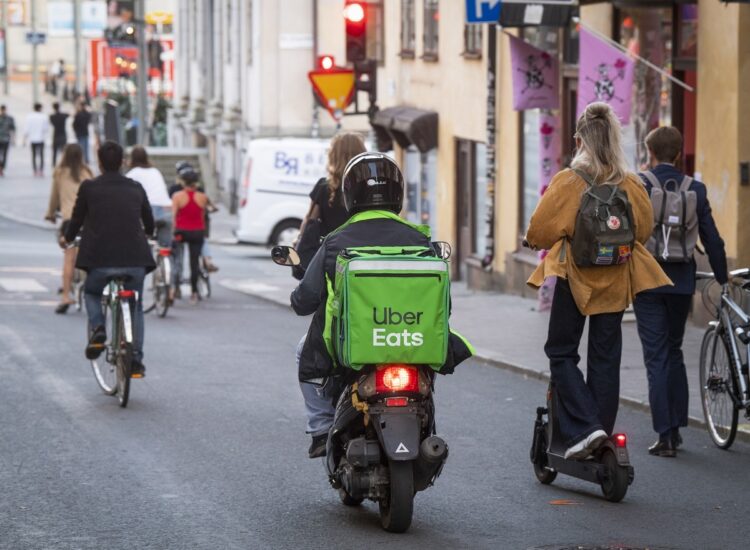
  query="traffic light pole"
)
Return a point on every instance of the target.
[
  {"x": 77, "y": 31},
  {"x": 142, "y": 72},
  {"x": 34, "y": 57},
  {"x": 6, "y": 73}
]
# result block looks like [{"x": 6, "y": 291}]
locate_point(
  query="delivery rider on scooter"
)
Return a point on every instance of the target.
[{"x": 373, "y": 191}]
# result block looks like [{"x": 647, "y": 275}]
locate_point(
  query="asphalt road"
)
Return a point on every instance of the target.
[{"x": 211, "y": 453}]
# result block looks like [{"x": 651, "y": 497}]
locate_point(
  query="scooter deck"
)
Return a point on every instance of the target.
[{"x": 588, "y": 470}]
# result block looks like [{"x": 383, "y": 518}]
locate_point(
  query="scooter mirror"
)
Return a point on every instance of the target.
[
  {"x": 285, "y": 255},
  {"x": 442, "y": 249}
]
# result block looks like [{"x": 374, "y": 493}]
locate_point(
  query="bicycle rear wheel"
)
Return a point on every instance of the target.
[
  {"x": 123, "y": 355},
  {"x": 104, "y": 371},
  {"x": 717, "y": 388},
  {"x": 204, "y": 283},
  {"x": 161, "y": 286}
]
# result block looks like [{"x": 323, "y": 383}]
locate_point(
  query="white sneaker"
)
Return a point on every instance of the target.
[{"x": 586, "y": 446}]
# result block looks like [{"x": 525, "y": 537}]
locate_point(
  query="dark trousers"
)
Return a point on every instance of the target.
[
  {"x": 661, "y": 326},
  {"x": 591, "y": 404},
  {"x": 3, "y": 153},
  {"x": 194, "y": 240},
  {"x": 37, "y": 152},
  {"x": 57, "y": 147}
]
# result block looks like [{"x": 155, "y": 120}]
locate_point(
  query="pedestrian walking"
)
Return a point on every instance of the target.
[
  {"x": 682, "y": 214},
  {"x": 66, "y": 179},
  {"x": 7, "y": 135},
  {"x": 37, "y": 127},
  {"x": 117, "y": 217},
  {"x": 588, "y": 407},
  {"x": 81, "y": 122},
  {"x": 327, "y": 210},
  {"x": 59, "y": 133},
  {"x": 152, "y": 180}
]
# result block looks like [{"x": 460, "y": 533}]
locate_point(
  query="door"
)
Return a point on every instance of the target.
[{"x": 464, "y": 202}]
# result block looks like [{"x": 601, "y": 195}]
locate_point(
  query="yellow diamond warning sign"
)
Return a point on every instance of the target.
[{"x": 334, "y": 88}]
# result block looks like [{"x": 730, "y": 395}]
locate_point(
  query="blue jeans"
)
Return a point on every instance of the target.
[
  {"x": 96, "y": 280},
  {"x": 319, "y": 406},
  {"x": 661, "y": 326},
  {"x": 83, "y": 141},
  {"x": 164, "y": 233},
  {"x": 584, "y": 406}
]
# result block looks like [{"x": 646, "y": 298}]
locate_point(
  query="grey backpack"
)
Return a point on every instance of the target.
[{"x": 676, "y": 219}]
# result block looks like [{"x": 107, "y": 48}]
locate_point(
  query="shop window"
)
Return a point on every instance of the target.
[
  {"x": 480, "y": 200},
  {"x": 408, "y": 28},
  {"x": 647, "y": 32},
  {"x": 375, "y": 31},
  {"x": 471, "y": 203},
  {"x": 472, "y": 41},
  {"x": 431, "y": 27},
  {"x": 420, "y": 173}
]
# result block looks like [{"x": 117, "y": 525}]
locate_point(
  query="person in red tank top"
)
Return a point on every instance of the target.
[{"x": 189, "y": 213}]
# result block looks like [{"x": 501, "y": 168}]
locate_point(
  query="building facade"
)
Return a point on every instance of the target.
[
  {"x": 436, "y": 62},
  {"x": 241, "y": 73}
]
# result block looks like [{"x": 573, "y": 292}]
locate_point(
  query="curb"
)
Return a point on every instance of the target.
[
  {"x": 24, "y": 221},
  {"x": 484, "y": 357}
]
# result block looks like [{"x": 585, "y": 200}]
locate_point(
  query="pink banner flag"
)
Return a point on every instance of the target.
[
  {"x": 604, "y": 74},
  {"x": 534, "y": 77}
]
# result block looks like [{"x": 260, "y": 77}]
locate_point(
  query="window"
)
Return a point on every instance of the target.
[
  {"x": 472, "y": 41},
  {"x": 375, "y": 31},
  {"x": 408, "y": 29},
  {"x": 431, "y": 24}
]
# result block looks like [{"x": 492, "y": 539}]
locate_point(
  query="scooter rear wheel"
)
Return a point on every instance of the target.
[
  {"x": 397, "y": 508},
  {"x": 615, "y": 482}
]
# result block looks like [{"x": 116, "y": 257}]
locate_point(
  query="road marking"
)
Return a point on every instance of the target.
[
  {"x": 11, "y": 284},
  {"x": 42, "y": 270}
]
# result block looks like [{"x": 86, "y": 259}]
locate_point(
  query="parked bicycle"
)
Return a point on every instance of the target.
[
  {"x": 112, "y": 368},
  {"x": 160, "y": 280},
  {"x": 724, "y": 381}
]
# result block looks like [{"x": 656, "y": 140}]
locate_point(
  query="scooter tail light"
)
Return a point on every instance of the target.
[
  {"x": 396, "y": 378},
  {"x": 396, "y": 401},
  {"x": 165, "y": 251},
  {"x": 621, "y": 440},
  {"x": 126, "y": 293}
]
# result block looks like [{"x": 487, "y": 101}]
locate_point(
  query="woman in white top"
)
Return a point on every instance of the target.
[
  {"x": 37, "y": 126},
  {"x": 153, "y": 183}
]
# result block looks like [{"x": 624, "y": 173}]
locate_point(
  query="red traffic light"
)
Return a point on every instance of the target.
[
  {"x": 354, "y": 12},
  {"x": 326, "y": 62}
]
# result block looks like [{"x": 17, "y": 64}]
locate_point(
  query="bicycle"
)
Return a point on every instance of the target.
[
  {"x": 112, "y": 369},
  {"x": 724, "y": 381},
  {"x": 160, "y": 280},
  {"x": 204, "y": 277}
]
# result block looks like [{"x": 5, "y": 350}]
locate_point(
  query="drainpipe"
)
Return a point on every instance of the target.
[
  {"x": 489, "y": 252},
  {"x": 315, "y": 127}
]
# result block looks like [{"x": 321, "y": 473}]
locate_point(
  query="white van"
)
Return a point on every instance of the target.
[{"x": 277, "y": 177}]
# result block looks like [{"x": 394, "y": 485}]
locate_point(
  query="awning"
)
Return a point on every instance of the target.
[{"x": 406, "y": 126}]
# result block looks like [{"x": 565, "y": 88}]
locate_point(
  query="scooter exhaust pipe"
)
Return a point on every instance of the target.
[{"x": 433, "y": 453}]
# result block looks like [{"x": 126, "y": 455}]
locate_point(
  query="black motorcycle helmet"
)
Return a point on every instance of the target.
[
  {"x": 372, "y": 181},
  {"x": 188, "y": 175},
  {"x": 182, "y": 165}
]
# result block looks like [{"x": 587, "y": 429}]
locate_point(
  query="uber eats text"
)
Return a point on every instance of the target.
[{"x": 382, "y": 337}]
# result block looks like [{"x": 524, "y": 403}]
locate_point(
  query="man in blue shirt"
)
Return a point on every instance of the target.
[{"x": 662, "y": 313}]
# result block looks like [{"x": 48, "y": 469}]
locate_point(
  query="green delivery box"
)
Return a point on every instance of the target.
[{"x": 391, "y": 305}]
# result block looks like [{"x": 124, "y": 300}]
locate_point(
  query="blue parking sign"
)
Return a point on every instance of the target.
[{"x": 483, "y": 11}]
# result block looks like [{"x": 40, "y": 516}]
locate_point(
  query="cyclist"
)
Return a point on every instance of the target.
[
  {"x": 142, "y": 171},
  {"x": 115, "y": 215},
  {"x": 66, "y": 180},
  {"x": 371, "y": 182},
  {"x": 189, "y": 214}
]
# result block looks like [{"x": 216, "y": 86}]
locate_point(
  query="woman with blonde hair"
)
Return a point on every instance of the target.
[
  {"x": 66, "y": 179},
  {"x": 588, "y": 407},
  {"x": 326, "y": 202}
]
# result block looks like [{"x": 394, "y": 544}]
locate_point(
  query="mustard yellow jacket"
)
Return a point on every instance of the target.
[{"x": 596, "y": 289}]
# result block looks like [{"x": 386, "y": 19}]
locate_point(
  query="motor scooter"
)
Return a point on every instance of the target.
[
  {"x": 382, "y": 444},
  {"x": 609, "y": 466}
]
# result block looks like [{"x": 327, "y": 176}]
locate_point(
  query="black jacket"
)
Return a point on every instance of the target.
[
  {"x": 683, "y": 274},
  {"x": 311, "y": 294},
  {"x": 116, "y": 217}
]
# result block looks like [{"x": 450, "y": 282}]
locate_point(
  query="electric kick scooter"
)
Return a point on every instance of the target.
[{"x": 609, "y": 466}]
